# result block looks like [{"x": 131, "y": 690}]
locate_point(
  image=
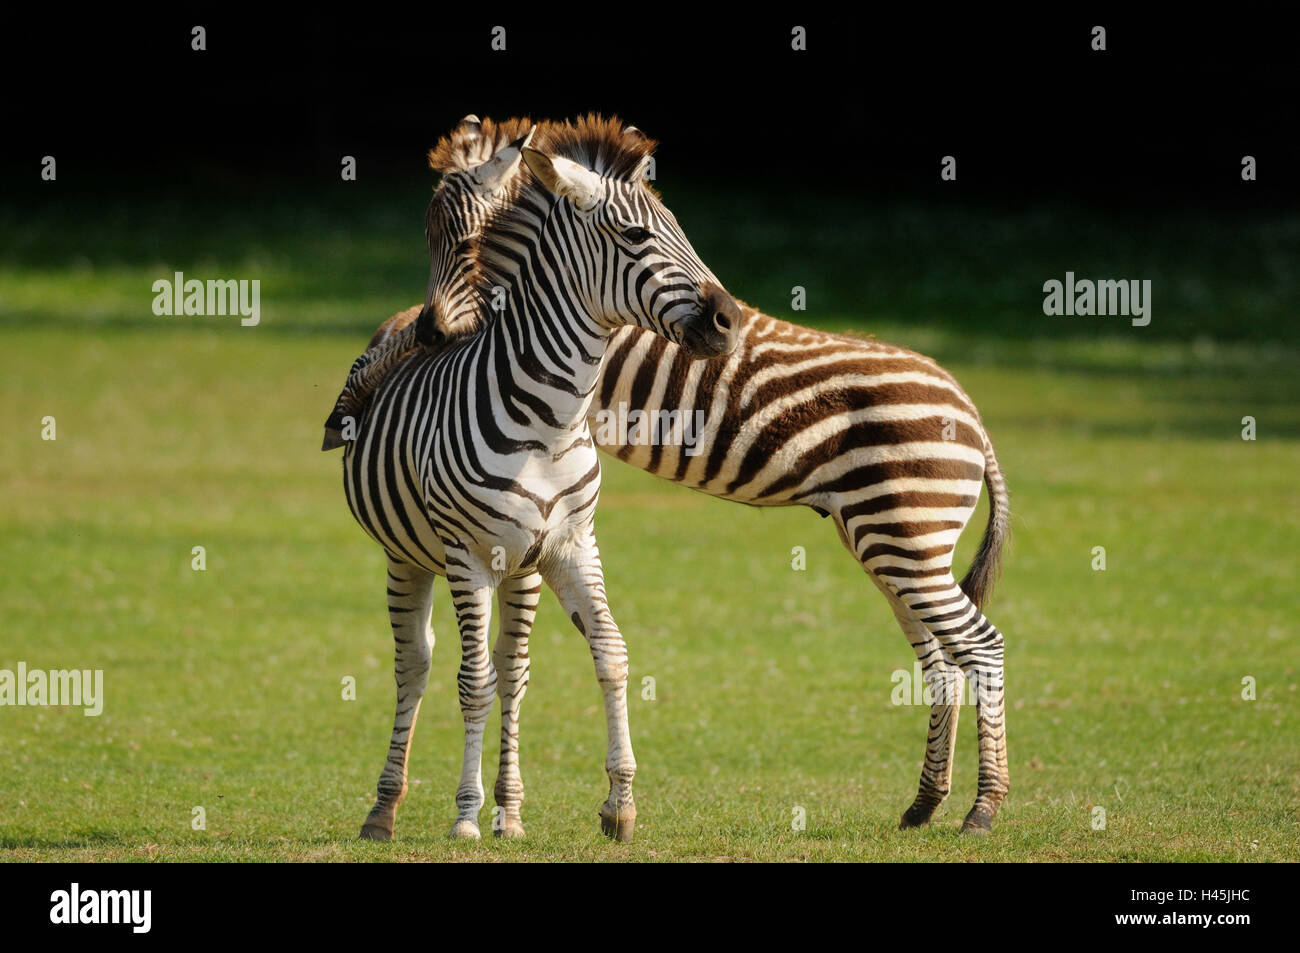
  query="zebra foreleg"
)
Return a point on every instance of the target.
[
  {"x": 579, "y": 583},
  {"x": 944, "y": 681},
  {"x": 517, "y": 605},
  {"x": 410, "y": 598},
  {"x": 476, "y": 681}
]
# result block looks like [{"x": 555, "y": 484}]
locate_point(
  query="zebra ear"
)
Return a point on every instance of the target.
[
  {"x": 500, "y": 169},
  {"x": 565, "y": 178}
]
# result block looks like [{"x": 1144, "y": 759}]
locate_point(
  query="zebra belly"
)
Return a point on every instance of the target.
[
  {"x": 402, "y": 530},
  {"x": 386, "y": 503}
]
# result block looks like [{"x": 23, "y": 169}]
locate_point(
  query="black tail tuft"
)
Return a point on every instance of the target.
[
  {"x": 987, "y": 565},
  {"x": 333, "y": 432}
]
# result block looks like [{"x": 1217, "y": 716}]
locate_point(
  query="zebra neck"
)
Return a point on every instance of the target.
[
  {"x": 544, "y": 362},
  {"x": 546, "y": 345}
]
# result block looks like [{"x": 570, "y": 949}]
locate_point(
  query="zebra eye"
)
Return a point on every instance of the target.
[{"x": 636, "y": 234}]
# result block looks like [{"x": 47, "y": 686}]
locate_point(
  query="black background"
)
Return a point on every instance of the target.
[
  {"x": 1164, "y": 115},
  {"x": 326, "y": 905}
]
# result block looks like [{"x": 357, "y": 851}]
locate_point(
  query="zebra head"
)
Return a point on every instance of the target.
[
  {"x": 634, "y": 265},
  {"x": 663, "y": 286},
  {"x": 471, "y": 188}
]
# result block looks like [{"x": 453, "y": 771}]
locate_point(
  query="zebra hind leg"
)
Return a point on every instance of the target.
[
  {"x": 410, "y": 598},
  {"x": 517, "y": 604},
  {"x": 937, "y": 667},
  {"x": 944, "y": 681},
  {"x": 976, "y": 645}
]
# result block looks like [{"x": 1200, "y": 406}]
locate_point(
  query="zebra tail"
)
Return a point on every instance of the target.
[
  {"x": 333, "y": 432},
  {"x": 986, "y": 567}
]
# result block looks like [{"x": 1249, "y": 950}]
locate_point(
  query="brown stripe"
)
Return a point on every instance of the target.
[
  {"x": 914, "y": 498},
  {"x": 886, "y": 549},
  {"x": 862, "y": 435},
  {"x": 910, "y": 530},
  {"x": 928, "y": 468}
]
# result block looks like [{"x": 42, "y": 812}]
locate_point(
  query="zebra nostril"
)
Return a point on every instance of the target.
[{"x": 722, "y": 322}]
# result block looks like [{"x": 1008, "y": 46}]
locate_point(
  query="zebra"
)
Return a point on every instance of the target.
[
  {"x": 878, "y": 438},
  {"x": 476, "y": 462}
]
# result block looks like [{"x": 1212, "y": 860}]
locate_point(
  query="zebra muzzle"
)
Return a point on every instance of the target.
[
  {"x": 428, "y": 327},
  {"x": 715, "y": 330}
]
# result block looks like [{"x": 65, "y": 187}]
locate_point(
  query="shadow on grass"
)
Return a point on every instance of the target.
[{"x": 85, "y": 838}]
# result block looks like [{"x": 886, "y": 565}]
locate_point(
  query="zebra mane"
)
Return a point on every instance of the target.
[
  {"x": 605, "y": 146},
  {"x": 468, "y": 145}
]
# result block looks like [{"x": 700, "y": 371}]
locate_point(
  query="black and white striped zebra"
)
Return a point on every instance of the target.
[
  {"x": 875, "y": 436},
  {"x": 476, "y": 462}
]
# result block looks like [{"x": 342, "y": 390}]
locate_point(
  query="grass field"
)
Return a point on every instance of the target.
[{"x": 773, "y": 687}]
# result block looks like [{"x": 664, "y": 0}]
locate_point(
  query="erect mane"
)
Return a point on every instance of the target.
[
  {"x": 605, "y": 146},
  {"x": 602, "y": 145},
  {"x": 466, "y": 146}
]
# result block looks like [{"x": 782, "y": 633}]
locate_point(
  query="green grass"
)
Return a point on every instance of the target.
[{"x": 772, "y": 686}]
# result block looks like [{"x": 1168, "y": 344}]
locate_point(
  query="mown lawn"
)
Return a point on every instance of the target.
[{"x": 772, "y": 686}]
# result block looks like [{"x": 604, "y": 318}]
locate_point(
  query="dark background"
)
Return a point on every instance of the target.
[
  {"x": 1163, "y": 115},
  {"x": 816, "y": 168}
]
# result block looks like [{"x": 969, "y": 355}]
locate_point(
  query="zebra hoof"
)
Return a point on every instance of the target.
[
  {"x": 915, "y": 816},
  {"x": 618, "y": 826},
  {"x": 382, "y": 817},
  {"x": 464, "y": 830},
  {"x": 978, "y": 821},
  {"x": 511, "y": 828},
  {"x": 378, "y": 832}
]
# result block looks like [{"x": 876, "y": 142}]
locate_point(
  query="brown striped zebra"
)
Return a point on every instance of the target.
[{"x": 880, "y": 439}]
